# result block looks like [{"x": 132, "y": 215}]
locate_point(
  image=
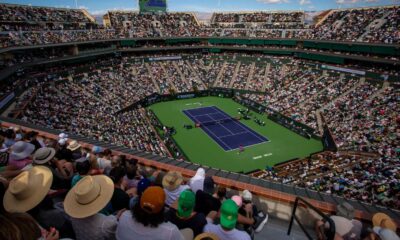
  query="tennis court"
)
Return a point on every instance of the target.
[{"x": 228, "y": 132}]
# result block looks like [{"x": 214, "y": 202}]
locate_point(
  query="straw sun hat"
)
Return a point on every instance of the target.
[
  {"x": 89, "y": 196},
  {"x": 28, "y": 189},
  {"x": 73, "y": 145},
  {"x": 172, "y": 180}
]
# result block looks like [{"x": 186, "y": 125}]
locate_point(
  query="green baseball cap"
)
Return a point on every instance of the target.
[
  {"x": 229, "y": 214},
  {"x": 186, "y": 203}
]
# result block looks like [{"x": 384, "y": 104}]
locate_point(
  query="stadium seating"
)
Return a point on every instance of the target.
[{"x": 98, "y": 96}]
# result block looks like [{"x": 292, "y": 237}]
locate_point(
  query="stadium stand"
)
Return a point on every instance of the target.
[{"x": 74, "y": 97}]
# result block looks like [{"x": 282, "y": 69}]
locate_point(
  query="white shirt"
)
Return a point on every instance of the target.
[
  {"x": 222, "y": 234},
  {"x": 128, "y": 229},
  {"x": 171, "y": 196},
  {"x": 96, "y": 227}
]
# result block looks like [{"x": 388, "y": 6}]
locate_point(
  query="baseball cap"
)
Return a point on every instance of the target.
[
  {"x": 237, "y": 199},
  {"x": 143, "y": 184},
  {"x": 186, "y": 203},
  {"x": 152, "y": 200},
  {"x": 229, "y": 214},
  {"x": 247, "y": 196}
]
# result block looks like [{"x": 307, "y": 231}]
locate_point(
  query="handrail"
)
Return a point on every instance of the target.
[{"x": 331, "y": 231}]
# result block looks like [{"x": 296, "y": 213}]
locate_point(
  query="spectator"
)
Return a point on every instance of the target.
[
  {"x": 249, "y": 210},
  {"x": 196, "y": 182},
  {"x": 146, "y": 220},
  {"x": 62, "y": 171},
  {"x": 228, "y": 218},
  {"x": 205, "y": 202},
  {"x": 184, "y": 216},
  {"x": 346, "y": 227},
  {"x": 82, "y": 168},
  {"x": 83, "y": 204},
  {"x": 20, "y": 155},
  {"x": 28, "y": 189},
  {"x": 172, "y": 186},
  {"x": 62, "y": 151},
  {"x": 384, "y": 228},
  {"x": 120, "y": 199},
  {"x": 75, "y": 148}
]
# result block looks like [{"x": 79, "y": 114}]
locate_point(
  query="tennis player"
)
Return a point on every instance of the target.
[{"x": 241, "y": 149}]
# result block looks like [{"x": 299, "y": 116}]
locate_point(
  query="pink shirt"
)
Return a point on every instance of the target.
[{"x": 20, "y": 164}]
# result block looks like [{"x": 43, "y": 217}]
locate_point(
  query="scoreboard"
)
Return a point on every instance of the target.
[{"x": 152, "y": 6}]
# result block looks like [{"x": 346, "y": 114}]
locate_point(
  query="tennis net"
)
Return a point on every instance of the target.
[{"x": 219, "y": 121}]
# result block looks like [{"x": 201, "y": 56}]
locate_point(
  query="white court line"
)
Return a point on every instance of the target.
[
  {"x": 242, "y": 126},
  {"x": 212, "y": 134},
  {"x": 260, "y": 156}
]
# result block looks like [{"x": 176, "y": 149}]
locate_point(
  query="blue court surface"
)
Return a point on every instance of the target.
[{"x": 227, "y": 132}]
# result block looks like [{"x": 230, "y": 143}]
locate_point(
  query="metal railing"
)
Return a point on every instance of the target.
[{"x": 329, "y": 233}]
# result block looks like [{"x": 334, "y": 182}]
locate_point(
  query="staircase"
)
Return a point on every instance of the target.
[
  {"x": 171, "y": 84},
  {"x": 362, "y": 81},
  {"x": 237, "y": 68},
  {"x": 319, "y": 122},
  {"x": 252, "y": 68},
  {"x": 196, "y": 74},
  {"x": 385, "y": 85},
  {"x": 376, "y": 24},
  {"x": 266, "y": 79},
  {"x": 183, "y": 77},
  {"x": 327, "y": 14},
  {"x": 152, "y": 78},
  {"x": 322, "y": 90},
  {"x": 220, "y": 74}
]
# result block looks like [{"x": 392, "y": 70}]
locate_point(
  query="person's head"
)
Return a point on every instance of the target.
[
  {"x": 31, "y": 135},
  {"x": 172, "y": 180},
  {"x": 382, "y": 221},
  {"x": 131, "y": 171},
  {"x": 90, "y": 195},
  {"x": 117, "y": 174},
  {"x": 186, "y": 203},
  {"x": 21, "y": 150},
  {"x": 143, "y": 184},
  {"x": 74, "y": 146},
  {"x": 159, "y": 178},
  {"x": 208, "y": 185},
  {"x": 116, "y": 161},
  {"x": 97, "y": 150},
  {"x": 10, "y": 134},
  {"x": 18, "y": 226},
  {"x": 247, "y": 196},
  {"x": 221, "y": 192},
  {"x": 107, "y": 153},
  {"x": 238, "y": 200},
  {"x": 43, "y": 156},
  {"x": 28, "y": 189},
  {"x": 149, "y": 210},
  {"x": 83, "y": 166},
  {"x": 228, "y": 214}
]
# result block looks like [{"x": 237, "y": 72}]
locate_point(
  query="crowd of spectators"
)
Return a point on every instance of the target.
[
  {"x": 364, "y": 178},
  {"x": 59, "y": 189},
  {"x": 87, "y": 103},
  {"x": 30, "y": 18},
  {"x": 69, "y": 25}
]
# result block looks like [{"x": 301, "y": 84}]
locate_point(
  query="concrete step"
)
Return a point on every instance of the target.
[
  {"x": 152, "y": 78},
  {"x": 266, "y": 79},
  {"x": 251, "y": 74},
  {"x": 362, "y": 81},
  {"x": 220, "y": 74},
  {"x": 237, "y": 68}
]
